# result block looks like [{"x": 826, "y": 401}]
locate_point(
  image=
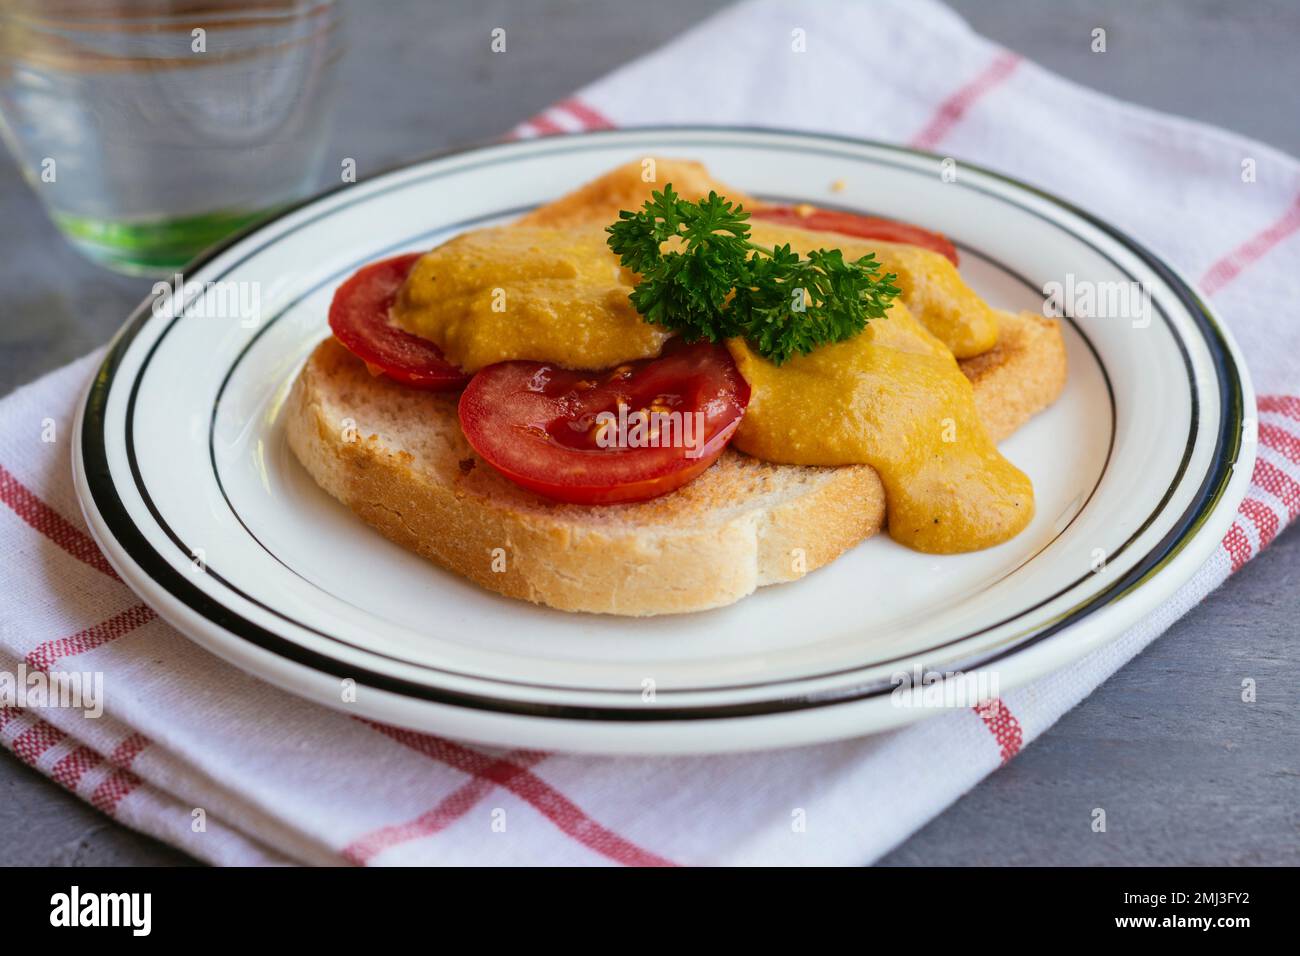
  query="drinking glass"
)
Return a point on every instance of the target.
[{"x": 150, "y": 129}]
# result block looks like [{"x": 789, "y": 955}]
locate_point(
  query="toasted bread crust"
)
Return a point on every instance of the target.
[
  {"x": 1021, "y": 375},
  {"x": 406, "y": 469},
  {"x": 627, "y": 187}
]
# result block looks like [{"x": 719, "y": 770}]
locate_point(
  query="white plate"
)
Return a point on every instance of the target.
[{"x": 182, "y": 453}]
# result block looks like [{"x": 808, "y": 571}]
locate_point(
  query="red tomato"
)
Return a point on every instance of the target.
[
  {"x": 542, "y": 426},
  {"x": 359, "y": 319},
  {"x": 865, "y": 227}
]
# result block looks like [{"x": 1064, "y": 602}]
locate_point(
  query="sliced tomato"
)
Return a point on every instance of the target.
[
  {"x": 542, "y": 426},
  {"x": 865, "y": 227},
  {"x": 359, "y": 319}
]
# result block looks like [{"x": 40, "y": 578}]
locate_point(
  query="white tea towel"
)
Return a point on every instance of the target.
[{"x": 232, "y": 770}]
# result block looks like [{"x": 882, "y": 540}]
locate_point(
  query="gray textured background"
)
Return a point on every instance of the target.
[{"x": 1186, "y": 771}]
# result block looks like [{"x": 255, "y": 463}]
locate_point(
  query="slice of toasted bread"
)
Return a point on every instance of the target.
[
  {"x": 627, "y": 187},
  {"x": 397, "y": 458}
]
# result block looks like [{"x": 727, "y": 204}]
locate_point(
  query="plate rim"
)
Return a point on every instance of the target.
[{"x": 1231, "y": 377}]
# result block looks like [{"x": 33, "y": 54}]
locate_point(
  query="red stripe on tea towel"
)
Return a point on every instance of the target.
[
  {"x": 73, "y": 766},
  {"x": 555, "y": 806},
  {"x": 1236, "y": 262},
  {"x": 114, "y": 788},
  {"x": 26, "y": 505},
  {"x": 584, "y": 114},
  {"x": 448, "y": 810},
  {"x": 1003, "y": 725},
  {"x": 952, "y": 110},
  {"x": 44, "y": 656},
  {"x": 33, "y": 742}
]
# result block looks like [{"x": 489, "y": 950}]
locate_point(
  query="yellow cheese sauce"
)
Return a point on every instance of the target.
[
  {"x": 931, "y": 285},
  {"x": 522, "y": 292},
  {"x": 892, "y": 397}
]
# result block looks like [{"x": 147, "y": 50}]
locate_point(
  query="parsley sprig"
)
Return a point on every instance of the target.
[{"x": 713, "y": 283}]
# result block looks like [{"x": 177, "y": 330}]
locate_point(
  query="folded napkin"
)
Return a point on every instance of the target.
[{"x": 200, "y": 755}]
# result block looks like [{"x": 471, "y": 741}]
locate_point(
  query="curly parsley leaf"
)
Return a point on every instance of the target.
[{"x": 711, "y": 282}]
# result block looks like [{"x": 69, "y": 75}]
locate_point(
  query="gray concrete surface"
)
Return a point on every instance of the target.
[{"x": 1186, "y": 771}]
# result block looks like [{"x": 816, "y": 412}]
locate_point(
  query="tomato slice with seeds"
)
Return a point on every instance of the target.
[
  {"x": 560, "y": 433},
  {"x": 864, "y": 227},
  {"x": 359, "y": 319}
]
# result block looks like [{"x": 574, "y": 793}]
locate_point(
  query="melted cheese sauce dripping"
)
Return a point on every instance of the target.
[{"x": 893, "y": 398}]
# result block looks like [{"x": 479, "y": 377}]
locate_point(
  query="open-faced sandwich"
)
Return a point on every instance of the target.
[{"x": 657, "y": 394}]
